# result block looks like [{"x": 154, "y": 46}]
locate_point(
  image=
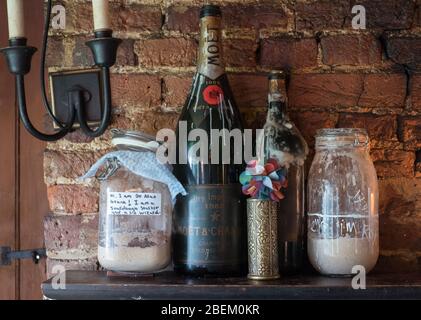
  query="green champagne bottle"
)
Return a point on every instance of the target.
[{"x": 210, "y": 222}]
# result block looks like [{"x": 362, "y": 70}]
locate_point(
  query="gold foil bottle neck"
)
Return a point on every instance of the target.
[{"x": 211, "y": 61}]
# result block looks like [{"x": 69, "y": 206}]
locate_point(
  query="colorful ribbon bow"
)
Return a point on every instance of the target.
[{"x": 264, "y": 182}]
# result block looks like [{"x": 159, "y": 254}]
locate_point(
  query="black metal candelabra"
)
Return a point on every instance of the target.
[{"x": 19, "y": 56}]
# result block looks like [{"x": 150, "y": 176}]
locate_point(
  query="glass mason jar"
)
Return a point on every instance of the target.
[
  {"x": 343, "y": 219},
  {"x": 135, "y": 213}
]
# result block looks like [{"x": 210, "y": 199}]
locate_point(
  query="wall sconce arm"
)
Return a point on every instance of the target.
[
  {"x": 23, "y": 113},
  {"x": 19, "y": 56},
  {"x": 78, "y": 103}
]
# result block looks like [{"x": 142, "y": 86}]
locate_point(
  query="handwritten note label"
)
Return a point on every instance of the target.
[{"x": 133, "y": 204}]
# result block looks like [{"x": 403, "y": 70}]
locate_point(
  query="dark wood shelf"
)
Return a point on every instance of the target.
[{"x": 86, "y": 285}]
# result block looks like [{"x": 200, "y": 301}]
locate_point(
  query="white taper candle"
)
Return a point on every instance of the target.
[
  {"x": 15, "y": 18},
  {"x": 101, "y": 14}
]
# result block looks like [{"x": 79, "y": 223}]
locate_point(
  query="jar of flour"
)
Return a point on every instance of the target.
[
  {"x": 343, "y": 217},
  {"x": 137, "y": 194}
]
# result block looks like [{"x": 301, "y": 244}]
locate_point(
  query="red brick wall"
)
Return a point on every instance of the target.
[{"x": 340, "y": 77}]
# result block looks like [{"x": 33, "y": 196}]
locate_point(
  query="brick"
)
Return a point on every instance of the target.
[
  {"x": 250, "y": 91},
  {"x": 82, "y": 55},
  {"x": 57, "y": 266},
  {"x": 347, "y": 90},
  {"x": 384, "y": 90},
  {"x": 125, "y": 54},
  {"x": 183, "y": 19},
  {"x": 71, "y": 237},
  {"x": 186, "y": 19},
  {"x": 351, "y": 50},
  {"x": 140, "y": 90},
  {"x": 389, "y": 15},
  {"x": 137, "y": 18},
  {"x": 148, "y": 122},
  {"x": 417, "y": 18},
  {"x": 175, "y": 52},
  {"x": 125, "y": 18},
  {"x": 410, "y": 132},
  {"x": 255, "y": 16},
  {"x": 337, "y": 14},
  {"x": 395, "y": 236},
  {"x": 176, "y": 90},
  {"x": 379, "y": 128},
  {"x": 397, "y": 263},
  {"x": 55, "y": 52},
  {"x": 415, "y": 91},
  {"x": 72, "y": 199},
  {"x": 418, "y": 170},
  {"x": 394, "y": 163},
  {"x": 78, "y": 136},
  {"x": 79, "y": 17},
  {"x": 65, "y": 165},
  {"x": 418, "y": 164},
  {"x": 287, "y": 53},
  {"x": 309, "y": 122},
  {"x": 240, "y": 53},
  {"x": 404, "y": 50},
  {"x": 324, "y": 90},
  {"x": 400, "y": 208},
  {"x": 152, "y": 122},
  {"x": 322, "y": 15}
]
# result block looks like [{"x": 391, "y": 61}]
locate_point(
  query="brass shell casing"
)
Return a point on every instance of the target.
[{"x": 262, "y": 225}]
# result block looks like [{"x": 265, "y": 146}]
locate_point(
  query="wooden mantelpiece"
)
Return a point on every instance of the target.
[{"x": 167, "y": 286}]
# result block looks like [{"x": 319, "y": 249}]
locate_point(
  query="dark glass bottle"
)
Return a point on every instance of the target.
[
  {"x": 209, "y": 223},
  {"x": 289, "y": 146}
]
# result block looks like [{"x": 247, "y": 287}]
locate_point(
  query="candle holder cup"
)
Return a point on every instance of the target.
[
  {"x": 18, "y": 56},
  {"x": 104, "y": 48}
]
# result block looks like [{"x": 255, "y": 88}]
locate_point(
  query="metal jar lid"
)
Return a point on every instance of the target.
[
  {"x": 342, "y": 137},
  {"x": 134, "y": 140}
]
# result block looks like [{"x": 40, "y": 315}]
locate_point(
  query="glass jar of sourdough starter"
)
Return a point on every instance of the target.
[
  {"x": 343, "y": 219},
  {"x": 135, "y": 211}
]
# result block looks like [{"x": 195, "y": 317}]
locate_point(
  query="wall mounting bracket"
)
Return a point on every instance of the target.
[{"x": 7, "y": 255}]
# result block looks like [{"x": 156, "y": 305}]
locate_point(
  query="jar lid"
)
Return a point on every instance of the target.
[
  {"x": 134, "y": 140},
  {"x": 342, "y": 137}
]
